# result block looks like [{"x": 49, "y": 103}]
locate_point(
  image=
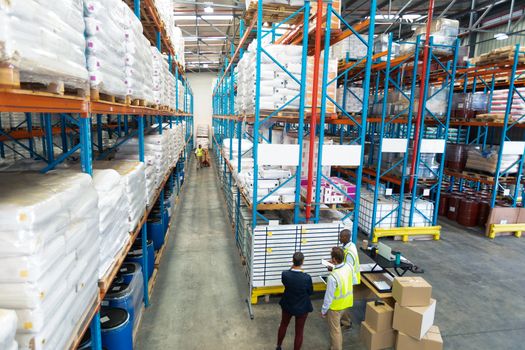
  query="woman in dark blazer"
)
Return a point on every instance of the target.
[{"x": 295, "y": 301}]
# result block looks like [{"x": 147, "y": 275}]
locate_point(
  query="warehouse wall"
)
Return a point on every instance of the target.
[
  {"x": 487, "y": 46},
  {"x": 201, "y": 84}
]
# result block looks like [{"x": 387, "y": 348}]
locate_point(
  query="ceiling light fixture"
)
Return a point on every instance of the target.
[{"x": 501, "y": 36}]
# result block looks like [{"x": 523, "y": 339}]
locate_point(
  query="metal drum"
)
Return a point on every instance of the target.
[
  {"x": 117, "y": 329},
  {"x": 443, "y": 204},
  {"x": 135, "y": 255},
  {"x": 120, "y": 295},
  {"x": 468, "y": 212},
  {"x": 484, "y": 211},
  {"x": 456, "y": 156},
  {"x": 453, "y": 206}
]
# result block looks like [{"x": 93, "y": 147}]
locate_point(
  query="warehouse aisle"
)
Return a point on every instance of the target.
[{"x": 198, "y": 301}]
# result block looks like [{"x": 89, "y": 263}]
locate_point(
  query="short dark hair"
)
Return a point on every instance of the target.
[
  {"x": 345, "y": 234},
  {"x": 298, "y": 259},
  {"x": 338, "y": 255}
]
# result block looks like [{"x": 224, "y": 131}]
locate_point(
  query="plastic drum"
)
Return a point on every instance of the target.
[
  {"x": 85, "y": 343},
  {"x": 120, "y": 295},
  {"x": 117, "y": 329},
  {"x": 135, "y": 255},
  {"x": 127, "y": 272},
  {"x": 156, "y": 232}
]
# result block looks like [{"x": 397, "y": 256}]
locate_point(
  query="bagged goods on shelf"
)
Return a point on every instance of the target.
[
  {"x": 381, "y": 45},
  {"x": 44, "y": 41},
  {"x": 487, "y": 160},
  {"x": 113, "y": 208},
  {"x": 105, "y": 49},
  {"x": 443, "y": 31},
  {"x": 203, "y": 130},
  {"x": 8, "y": 323},
  {"x": 500, "y": 102},
  {"x": 48, "y": 281}
]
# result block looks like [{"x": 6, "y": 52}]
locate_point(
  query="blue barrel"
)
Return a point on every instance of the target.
[
  {"x": 127, "y": 272},
  {"x": 156, "y": 232},
  {"x": 120, "y": 295},
  {"x": 135, "y": 255},
  {"x": 117, "y": 329},
  {"x": 85, "y": 343},
  {"x": 166, "y": 220}
]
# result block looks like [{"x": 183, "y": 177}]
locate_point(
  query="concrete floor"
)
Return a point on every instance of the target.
[{"x": 199, "y": 298}]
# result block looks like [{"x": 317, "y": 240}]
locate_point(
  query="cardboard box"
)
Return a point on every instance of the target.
[
  {"x": 431, "y": 341},
  {"x": 377, "y": 340},
  {"x": 411, "y": 291},
  {"x": 521, "y": 216},
  {"x": 379, "y": 317},
  {"x": 414, "y": 321},
  {"x": 502, "y": 216}
]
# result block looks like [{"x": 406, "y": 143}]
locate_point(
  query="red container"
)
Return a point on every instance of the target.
[
  {"x": 468, "y": 212},
  {"x": 484, "y": 211},
  {"x": 453, "y": 206},
  {"x": 443, "y": 204}
]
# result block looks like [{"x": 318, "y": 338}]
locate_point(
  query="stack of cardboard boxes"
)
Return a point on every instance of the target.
[
  {"x": 414, "y": 315},
  {"x": 412, "y": 319},
  {"x": 376, "y": 331}
]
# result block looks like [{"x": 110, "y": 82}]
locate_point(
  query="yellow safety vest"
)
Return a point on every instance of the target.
[
  {"x": 356, "y": 275},
  {"x": 199, "y": 152},
  {"x": 344, "y": 295}
]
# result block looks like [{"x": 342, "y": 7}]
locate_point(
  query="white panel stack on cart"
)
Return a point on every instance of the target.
[
  {"x": 56, "y": 28},
  {"x": 48, "y": 242},
  {"x": 113, "y": 220},
  {"x": 105, "y": 46},
  {"x": 8, "y": 324},
  {"x": 273, "y": 246},
  {"x": 133, "y": 179}
]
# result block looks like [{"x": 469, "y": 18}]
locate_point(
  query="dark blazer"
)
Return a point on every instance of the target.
[{"x": 297, "y": 290}]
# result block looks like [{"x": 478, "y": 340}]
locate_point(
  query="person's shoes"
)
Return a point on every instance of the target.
[{"x": 278, "y": 348}]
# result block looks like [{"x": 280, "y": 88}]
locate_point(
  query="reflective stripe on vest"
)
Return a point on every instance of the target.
[
  {"x": 356, "y": 274},
  {"x": 343, "y": 296}
]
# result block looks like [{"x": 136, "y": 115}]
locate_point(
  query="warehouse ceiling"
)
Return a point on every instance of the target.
[{"x": 210, "y": 28}]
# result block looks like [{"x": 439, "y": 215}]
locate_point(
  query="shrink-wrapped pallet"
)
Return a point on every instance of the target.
[
  {"x": 8, "y": 321},
  {"x": 52, "y": 280},
  {"x": 105, "y": 49},
  {"x": 44, "y": 41}
]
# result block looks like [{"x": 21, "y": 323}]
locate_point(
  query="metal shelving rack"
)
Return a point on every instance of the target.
[
  {"x": 484, "y": 134},
  {"x": 393, "y": 132},
  {"x": 75, "y": 120},
  {"x": 227, "y": 124}
]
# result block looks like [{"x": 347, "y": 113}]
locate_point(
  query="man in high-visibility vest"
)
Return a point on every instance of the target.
[
  {"x": 351, "y": 259},
  {"x": 338, "y": 298},
  {"x": 199, "y": 152}
]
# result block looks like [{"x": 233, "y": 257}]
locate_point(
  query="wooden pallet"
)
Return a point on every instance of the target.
[
  {"x": 272, "y": 13},
  {"x": 139, "y": 102},
  {"x": 98, "y": 96},
  {"x": 10, "y": 79},
  {"x": 478, "y": 175},
  {"x": 502, "y": 56}
]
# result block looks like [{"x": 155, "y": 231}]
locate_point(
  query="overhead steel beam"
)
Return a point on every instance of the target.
[
  {"x": 444, "y": 12},
  {"x": 480, "y": 18}
]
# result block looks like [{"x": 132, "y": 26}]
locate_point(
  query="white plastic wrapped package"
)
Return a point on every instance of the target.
[
  {"x": 105, "y": 47},
  {"x": 44, "y": 40},
  {"x": 8, "y": 322}
]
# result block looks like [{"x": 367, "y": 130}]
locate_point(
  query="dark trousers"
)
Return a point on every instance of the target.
[{"x": 299, "y": 328}]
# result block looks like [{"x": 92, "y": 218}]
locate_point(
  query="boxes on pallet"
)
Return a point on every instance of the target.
[
  {"x": 8, "y": 320},
  {"x": 331, "y": 90},
  {"x": 47, "y": 274},
  {"x": 351, "y": 47},
  {"x": 350, "y": 100},
  {"x": 57, "y": 29}
]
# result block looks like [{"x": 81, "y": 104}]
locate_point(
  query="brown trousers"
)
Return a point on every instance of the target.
[{"x": 334, "y": 325}]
